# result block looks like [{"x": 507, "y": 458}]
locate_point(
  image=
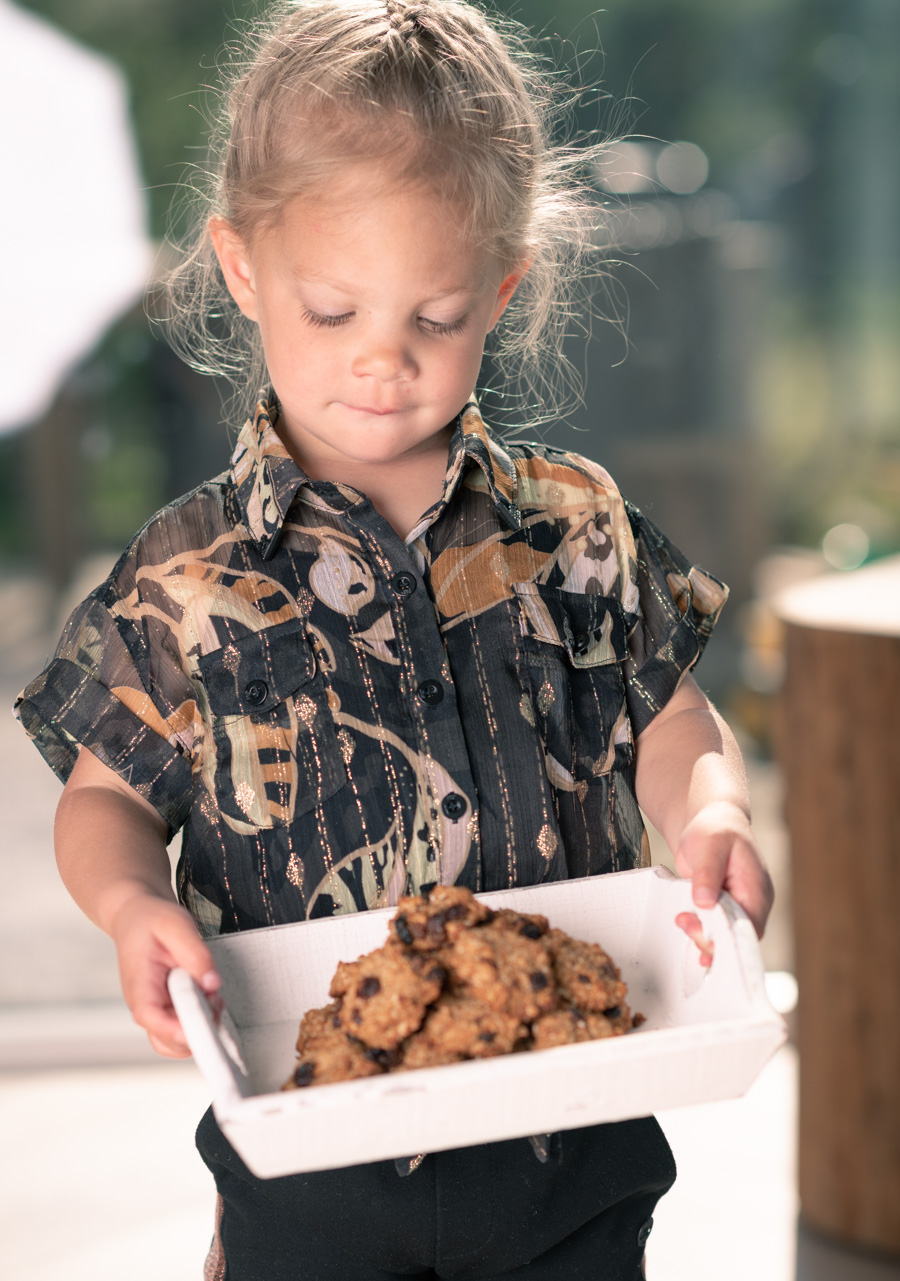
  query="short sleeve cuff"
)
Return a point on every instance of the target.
[
  {"x": 65, "y": 707},
  {"x": 679, "y": 607}
]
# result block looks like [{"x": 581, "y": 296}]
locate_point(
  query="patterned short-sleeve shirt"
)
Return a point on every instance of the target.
[{"x": 336, "y": 716}]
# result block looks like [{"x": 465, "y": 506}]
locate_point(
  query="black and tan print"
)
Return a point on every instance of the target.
[{"x": 336, "y": 717}]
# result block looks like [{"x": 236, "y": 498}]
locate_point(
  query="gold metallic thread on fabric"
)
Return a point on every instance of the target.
[
  {"x": 546, "y": 697},
  {"x": 547, "y": 841},
  {"x": 306, "y": 710},
  {"x": 245, "y": 796},
  {"x": 231, "y": 658},
  {"x": 294, "y": 871}
]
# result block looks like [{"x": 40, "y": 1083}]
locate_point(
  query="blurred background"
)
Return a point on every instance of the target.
[{"x": 749, "y": 403}]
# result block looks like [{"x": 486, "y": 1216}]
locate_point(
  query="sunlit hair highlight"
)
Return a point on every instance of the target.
[{"x": 438, "y": 95}]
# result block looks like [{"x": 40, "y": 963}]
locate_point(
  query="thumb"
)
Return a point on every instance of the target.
[{"x": 705, "y": 860}]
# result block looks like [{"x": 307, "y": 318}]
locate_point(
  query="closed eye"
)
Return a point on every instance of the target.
[
  {"x": 325, "y": 322},
  {"x": 447, "y": 328}
]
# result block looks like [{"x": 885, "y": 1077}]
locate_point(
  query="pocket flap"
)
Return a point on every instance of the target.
[
  {"x": 252, "y": 675},
  {"x": 591, "y": 629}
]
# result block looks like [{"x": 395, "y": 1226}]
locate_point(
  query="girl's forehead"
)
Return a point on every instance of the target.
[
  {"x": 363, "y": 213},
  {"x": 361, "y": 192}
]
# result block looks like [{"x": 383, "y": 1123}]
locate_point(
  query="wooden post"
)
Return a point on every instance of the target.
[{"x": 839, "y": 746}]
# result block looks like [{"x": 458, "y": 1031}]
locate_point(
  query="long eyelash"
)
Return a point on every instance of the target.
[
  {"x": 449, "y": 328},
  {"x": 324, "y": 322}
]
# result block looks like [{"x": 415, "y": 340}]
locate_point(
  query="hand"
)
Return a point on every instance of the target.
[
  {"x": 152, "y": 937},
  {"x": 718, "y": 852}
]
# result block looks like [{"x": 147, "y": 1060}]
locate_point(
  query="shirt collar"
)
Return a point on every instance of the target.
[
  {"x": 473, "y": 442},
  {"x": 267, "y": 479}
]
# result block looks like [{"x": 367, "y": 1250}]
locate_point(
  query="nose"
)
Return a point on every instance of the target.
[{"x": 386, "y": 359}]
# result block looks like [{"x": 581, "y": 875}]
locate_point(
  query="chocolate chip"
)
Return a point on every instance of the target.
[
  {"x": 456, "y": 911},
  {"x": 487, "y": 1037},
  {"x": 613, "y": 1013},
  {"x": 435, "y": 927},
  {"x": 530, "y": 930},
  {"x": 401, "y": 929},
  {"x": 385, "y": 1059},
  {"x": 584, "y": 978},
  {"x": 538, "y": 980},
  {"x": 369, "y": 986},
  {"x": 304, "y": 1074},
  {"x": 356, "y": 1017},
  {"x": 437, "y": 974}
]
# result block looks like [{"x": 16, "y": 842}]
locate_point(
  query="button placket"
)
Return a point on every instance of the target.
[{"x": 423, "y": 650}]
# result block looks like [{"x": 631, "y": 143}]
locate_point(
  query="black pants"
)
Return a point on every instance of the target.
[{"x": 479, "y": 1212}]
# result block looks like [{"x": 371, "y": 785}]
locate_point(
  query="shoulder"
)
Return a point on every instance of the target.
[
  {"x": 540, "y": 468},
  {"x": 187, "y": 529},
  {"x": 572, "y": 510}
]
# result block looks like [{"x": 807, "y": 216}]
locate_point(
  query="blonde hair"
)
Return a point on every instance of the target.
[{"x": 444, "y": 97}]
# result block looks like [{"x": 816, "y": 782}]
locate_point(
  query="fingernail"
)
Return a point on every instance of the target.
[
  {"x": 210, "y": 981},
  {"x": 705, "y": 897}
]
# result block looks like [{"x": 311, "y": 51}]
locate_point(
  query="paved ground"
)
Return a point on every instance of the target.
[{"x": 97, "y": 1131}]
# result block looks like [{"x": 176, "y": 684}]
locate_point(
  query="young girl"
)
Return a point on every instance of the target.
[{"x": 384, "y": 649}]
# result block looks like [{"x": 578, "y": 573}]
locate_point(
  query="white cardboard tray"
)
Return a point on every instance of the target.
[{"x": 707, "y": 1034}]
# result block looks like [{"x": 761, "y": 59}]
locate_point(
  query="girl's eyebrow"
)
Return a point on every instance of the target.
[{"x": 320, "y": 278}]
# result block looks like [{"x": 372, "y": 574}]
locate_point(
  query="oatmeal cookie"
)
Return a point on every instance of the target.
[
  {"x": 569, "y": 1025},
  {"x": 585, "y": 975},
  {"x": 458, "y": 981},
  {"x": 429, "y": 921},
  {"x": 385, "y": 994},
  {"x": 508, "y": 971},
  {"x": 532, "y": 927},
  {"x": 461, "y": 1027},
  {"x": 326, "y": 1054}
]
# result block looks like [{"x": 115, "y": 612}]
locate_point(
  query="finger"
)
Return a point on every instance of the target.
[
  {"x": 750, "y": 885},
  {"x": 154, "y": 1012},
  {"x": 168, "y": 1048},
  {"x": 690, "y": 923}
]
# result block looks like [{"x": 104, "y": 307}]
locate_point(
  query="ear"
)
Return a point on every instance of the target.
[
  {"x": 507, "y": 288},
  {"x": 235, "y": 263}
]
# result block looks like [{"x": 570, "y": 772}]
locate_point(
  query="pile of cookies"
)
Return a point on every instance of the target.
[{"x": 456, "y": 981}]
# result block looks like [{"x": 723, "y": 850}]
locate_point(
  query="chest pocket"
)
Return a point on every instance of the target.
[
  {"x": 276, "y": 750},
  {"x": 571, "y": 649}
]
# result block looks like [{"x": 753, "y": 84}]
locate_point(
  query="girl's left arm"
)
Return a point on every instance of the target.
[{"x": 692, "y": 786}]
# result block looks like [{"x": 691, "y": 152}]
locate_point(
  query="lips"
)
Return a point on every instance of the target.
[{"x": 368, "y": 409}]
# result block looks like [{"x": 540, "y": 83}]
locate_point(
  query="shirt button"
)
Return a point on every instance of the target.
[
  {"x": 430, "y": 692},
  {"x": 256, "y": 693},
  {"x": 454, "y": 805},
  {"x": 643, "y": 1232},
  {"x": 581, "y": 643},
  {"x": 404, "y": 584}
]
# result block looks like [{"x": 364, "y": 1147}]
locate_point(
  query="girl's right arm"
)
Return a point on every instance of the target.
[{"x": 111, "y": 853}]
